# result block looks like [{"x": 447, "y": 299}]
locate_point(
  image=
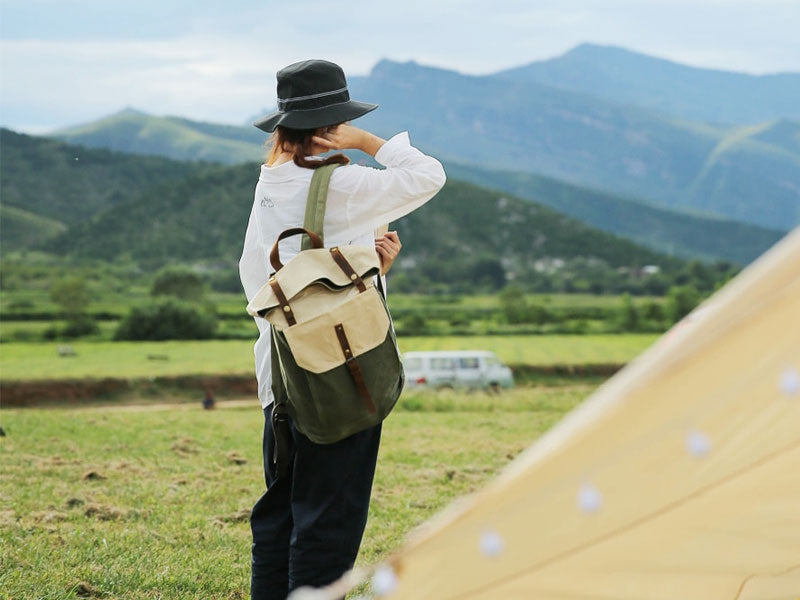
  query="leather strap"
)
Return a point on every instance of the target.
[
  {"x": 281, "y": 459},
  {"x": 355, "y": 370},
  {"x": 380, "y": 286},
  {"x": 348, "y": 269},
  {"x": 316, "y": 201},
  {"x": 274, "y": 256},
  {"x": 287, "y": 310}
]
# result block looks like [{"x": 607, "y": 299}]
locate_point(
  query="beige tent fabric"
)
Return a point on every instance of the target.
[{"x": 678, "y": 479}]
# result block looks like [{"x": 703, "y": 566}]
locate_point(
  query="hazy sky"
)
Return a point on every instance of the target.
[{"x": 64, "y": 62}]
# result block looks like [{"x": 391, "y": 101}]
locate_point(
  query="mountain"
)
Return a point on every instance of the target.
[
  {"x": 526, "y": 126},
  {"x": 137, "y": 132},
  {"x": 466, "y": 230},
  {"x": 48, "y": 185},
  {"x": 671, "y": 232},
  {"x": 44, "y": 189},
  {"x": 20, "y": 228},
  {"x": 157, "y": 211},
  {"x": 630, "y": 78},
  {"x": 510, "y": 122},
  {"x": 154, "y": 210}
]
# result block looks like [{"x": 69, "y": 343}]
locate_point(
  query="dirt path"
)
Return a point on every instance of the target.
[{"x": 154, "y": 406}]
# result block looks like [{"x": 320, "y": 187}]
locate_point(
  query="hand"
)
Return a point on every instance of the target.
[
  {"x": 388, "y": 247},
  {"x": 345, "y": 136}
]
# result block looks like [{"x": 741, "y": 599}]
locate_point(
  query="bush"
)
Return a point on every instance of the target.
[
  {"x": 515, "y": 305},
  {"x": 653, "y": 311},
  {"x": 168, "y": 319},
  {"x": 413, "y": 324},
  {"x": 72, "y": 294},
  {"x": 629, "y": 316},
  {"x": 178, "y": 282},
  {"x": 681, "y": 301},
  {"x": 80, "y": 326},
  {"x": 226, "y": 281}
]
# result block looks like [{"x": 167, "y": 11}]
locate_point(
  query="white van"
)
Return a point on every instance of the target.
[{"x": 456, "y": 369}]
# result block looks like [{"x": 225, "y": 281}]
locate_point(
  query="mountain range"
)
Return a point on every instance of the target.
[
  {"x": 631, "y": 78},
  {"x": 749, "y": 173},
  {"x": 50, "y": 186},
  {"x": 163, "y": 211},
  {"x": 635, "y": 145},
  {"x": 697, "y": 141}
]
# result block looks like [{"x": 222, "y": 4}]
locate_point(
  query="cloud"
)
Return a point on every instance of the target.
[
  {"x": 68, "y": 62},
  {"x": 195, "y": 76}
]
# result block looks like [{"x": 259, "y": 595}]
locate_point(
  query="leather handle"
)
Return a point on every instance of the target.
[
  {"x": 274, "y": 256},
  {"x": 348, "y": 269}
]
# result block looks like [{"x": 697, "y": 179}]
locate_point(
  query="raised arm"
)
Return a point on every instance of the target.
[{"x": 378, "y": 196}]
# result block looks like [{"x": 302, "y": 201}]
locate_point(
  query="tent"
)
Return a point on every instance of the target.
[{"x": 679, "y": 478}]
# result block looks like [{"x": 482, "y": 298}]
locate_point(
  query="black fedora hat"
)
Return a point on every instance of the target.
[{"x": 311, "y": 94}]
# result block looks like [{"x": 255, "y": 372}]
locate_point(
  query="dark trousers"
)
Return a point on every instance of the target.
[{"x": 307, "y": 527}]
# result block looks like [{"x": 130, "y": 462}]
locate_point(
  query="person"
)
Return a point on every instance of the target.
[
  {"x": 307, "y": 526},
  {"x": 208, "y": 401}
]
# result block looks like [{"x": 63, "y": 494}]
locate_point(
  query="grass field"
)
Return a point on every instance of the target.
[
  {"x": 38, "y": 300},
  {"x": 130, "y": 359},
  {"x": 153, "y": 503}
]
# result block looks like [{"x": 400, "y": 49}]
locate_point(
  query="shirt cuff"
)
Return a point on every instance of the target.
[{"x": 387, "y": 152}]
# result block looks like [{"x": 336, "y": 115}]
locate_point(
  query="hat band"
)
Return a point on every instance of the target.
[{"x": 310, "y": 101}]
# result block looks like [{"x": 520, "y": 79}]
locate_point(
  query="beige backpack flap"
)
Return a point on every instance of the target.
[{"x": 308, "y": 268}]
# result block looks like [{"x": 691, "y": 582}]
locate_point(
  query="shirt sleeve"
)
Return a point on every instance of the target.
[{"x": 409, "y": 180}]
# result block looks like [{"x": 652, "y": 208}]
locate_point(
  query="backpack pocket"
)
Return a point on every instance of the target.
[{"x": 315, "y": 344}]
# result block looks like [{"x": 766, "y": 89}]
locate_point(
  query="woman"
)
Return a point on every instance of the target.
[{"x": 308, "y": 526}]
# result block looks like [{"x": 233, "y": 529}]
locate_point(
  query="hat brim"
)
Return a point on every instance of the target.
[{"x": 315, "y": 117}]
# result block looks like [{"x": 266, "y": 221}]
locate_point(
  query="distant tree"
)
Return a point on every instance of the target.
[
  {"x": 400, "y": 283},
  {"x": 656, "y": 284},
  {"x": 514, "y": 304},
  {"x": 72, "y": 295},
  {"x": 681, "y": 300},
  {"x": 653, "y": 311},
  {"x": 629, "y": 315},
  {"x": 79, "y": 326},
  {"x": 166, "y": 319},
  {"x": 227, "y": 281},
  {"x": 414, "y": 324},
  {"x": 178, "y": 282},
  {"x": 488, "y": 272}
]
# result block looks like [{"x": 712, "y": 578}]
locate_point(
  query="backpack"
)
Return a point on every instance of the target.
[{"x": 336, "y": 368}]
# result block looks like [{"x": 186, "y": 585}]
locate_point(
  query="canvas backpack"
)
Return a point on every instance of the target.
[{"x": 336, "y": 368}]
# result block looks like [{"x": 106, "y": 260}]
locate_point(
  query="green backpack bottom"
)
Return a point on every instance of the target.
[{"x": 327, "y": 407}]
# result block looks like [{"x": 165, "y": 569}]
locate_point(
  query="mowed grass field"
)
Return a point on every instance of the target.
[
  {"x": 151, "y": 359},
  {"x": 133, "y": 502}
]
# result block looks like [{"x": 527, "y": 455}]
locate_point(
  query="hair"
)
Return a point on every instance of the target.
[{"x": 299, "y": 142}]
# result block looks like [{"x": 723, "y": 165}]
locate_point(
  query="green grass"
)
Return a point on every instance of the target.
[
  {"x": 543, "y": 349},
  {"x": 130, "y": 359},
  {"x": 167, "y": 516},
  {"x": 119, "y": 303}
]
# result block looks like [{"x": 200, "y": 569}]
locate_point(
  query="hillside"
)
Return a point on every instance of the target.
[
  {"x": 671, "y": 232},
  {"x": 20, "y": 228},
  {"x": 65, "y": 184},
  {"x": 625, "y": 77},
  {"x": 525, "y": 126},
  {"x": 749, "y": 173},
  {"x": 137, "y": 132},
  {"x": 465, "y": 233},
  {"x": 41, "y": 179}
]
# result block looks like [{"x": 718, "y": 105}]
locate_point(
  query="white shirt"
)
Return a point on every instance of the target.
[{"x": 360, "y": 199}]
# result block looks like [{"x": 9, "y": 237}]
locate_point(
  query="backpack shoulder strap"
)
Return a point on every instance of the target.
[{"x": 315, "y": 204}]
